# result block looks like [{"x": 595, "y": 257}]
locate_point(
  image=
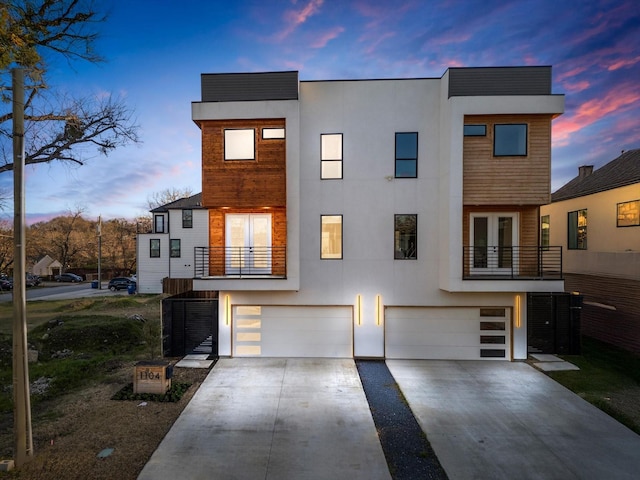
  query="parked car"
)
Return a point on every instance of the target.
[
  {"x": 6, "y": 283},
  {"x": 120, "y": 283},
  {"x": 33, "y": 280},
  {"x": 68, "y": 277}
]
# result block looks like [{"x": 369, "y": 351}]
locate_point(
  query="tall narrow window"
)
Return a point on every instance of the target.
[
  {"x": 239, "y": 144},
  {"x": 174, "y": 248},
  {"x": 406, "y": 237},
  {"x": 154, "y": 248},
  {"x": 577, "y": 230},
  {"x": 158, "y": 223},
  {"x": 510, "y": 140},
  {"x": 407, "y": 155},
  {"x": 331, "y": 155},
  {"x": 544, "y": 231},
  {"x": 187, "y": 218},
  {"x": 331, "y": 237}
]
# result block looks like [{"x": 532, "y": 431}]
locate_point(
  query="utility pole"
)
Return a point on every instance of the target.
[
  {"x": 99, "y": 252},
  {"x": 23, "y": 447}
]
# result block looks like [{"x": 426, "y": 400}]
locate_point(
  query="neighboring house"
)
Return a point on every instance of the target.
[
  {"x": 47, "y": 267},
  {"x": 596, "y": 216},
  {"x": 373, "y": 218},
  {"x": 168, "y": 251}
]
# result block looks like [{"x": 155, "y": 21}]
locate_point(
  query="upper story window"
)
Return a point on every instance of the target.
[
  {"x": 187, "y": 218},
  {"x": 331, "y": 237},
  {"x": 577, "y": 230},
  {"x": 510, "y": 140},
  {"x": 154, "y": 248},
  {"x": 475, "y": 130},
  {"x": 405, "y": 234},
  {"x": 406, "y": 154},
  {"x": 158, "y": 224},
  {"x": 545, "y": 227},
  {"x": 331, "y": 156},
  {"x": 269, "y": 133},
  {"x": 239, "y": 144},
  {"x": 174, "y": 248},
  {"x": 628, "y": 214}
]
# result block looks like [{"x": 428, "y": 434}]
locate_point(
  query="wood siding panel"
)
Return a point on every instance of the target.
[
  {"x": 243, "y": 184},
  {"x": 489, "y": 180}
]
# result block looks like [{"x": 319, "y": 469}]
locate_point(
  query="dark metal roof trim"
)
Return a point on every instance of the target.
[
  {"x": 239, "y": 87},
  {"x": 485, "y": 81}
]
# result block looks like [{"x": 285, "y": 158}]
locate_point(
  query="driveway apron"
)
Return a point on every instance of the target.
[
  {"x": 502, "y": 420},
  {"x": 273, "y": 419}
]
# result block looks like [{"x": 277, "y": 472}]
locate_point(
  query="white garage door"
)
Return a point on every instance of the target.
[
  {"x": 269, "y": 331},
  {"x": 448, "y": 333}
]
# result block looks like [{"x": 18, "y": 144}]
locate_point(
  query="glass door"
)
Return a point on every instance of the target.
[
  {"x": 248, "y": 244},
  {"x": 493, "y": 238}
]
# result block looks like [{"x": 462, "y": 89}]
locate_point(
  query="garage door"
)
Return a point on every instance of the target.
[
  {"x": 448, "y": 333},
  {"x": 270, "y": 331}
]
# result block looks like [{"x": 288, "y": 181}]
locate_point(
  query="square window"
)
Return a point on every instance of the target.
[
  {"x": 187, "y": 218},
  {"x": 628, "y": 214},
  {"x": 331, "y": 237},
  {"x": 239, "y": 144},
  {"x": 174, "y": 248},
  {"x": 269, "y": 133},
  {"x": 158, "y": 222},
  {"x": 475, "y": 130},
  {"x": 406, "y": 237},
  {"x": 577, "y": 230},
  {"x": 510, "y": 140},
  {"x": 406, "y": 155},
  {"x": 331, "y": 156},
  {"x": 154, "y": 248}
]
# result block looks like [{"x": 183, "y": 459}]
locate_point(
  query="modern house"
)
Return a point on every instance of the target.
[
  {"x": 596, "y": 218},
  {"x": 391, "y": 218}
]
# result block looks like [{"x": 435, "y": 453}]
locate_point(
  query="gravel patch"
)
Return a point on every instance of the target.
[{"x": 406, "y": 448}]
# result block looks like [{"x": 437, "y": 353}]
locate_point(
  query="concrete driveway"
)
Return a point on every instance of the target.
[
  {"x": 499, "y": 420},
  {"x": 273, "y": 419}
]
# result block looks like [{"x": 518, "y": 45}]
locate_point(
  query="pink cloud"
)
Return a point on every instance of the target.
[
  {"x": 576, "y": 87},
  {"x": 627, "y": 62},
  {"x": 327, "y": 37},
  {"x": 295, "y": 18}
]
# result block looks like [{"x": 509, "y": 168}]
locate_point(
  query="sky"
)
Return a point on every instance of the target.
[{"x": 156, "y": 51}]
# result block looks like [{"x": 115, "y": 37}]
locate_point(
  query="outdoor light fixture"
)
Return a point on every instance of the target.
[
  {"x": 517, "y": 313},
  {"x": 378, "y": 310},
  {"x": 227, "y": 309},
  {"x": 359, "y": 309}
]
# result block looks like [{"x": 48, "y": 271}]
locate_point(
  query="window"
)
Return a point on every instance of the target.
[
  {"x": 331, "y": 155},
  {"x": 577, "y": 230},
  {"x": 187, "y": 218},
  {"x": 544, "y": 231},
  {"x": 405, "y": 237},
  {"x": 475, "y": 130},
  {"x": 510, "y": 140},
  {"x": 239, "y": 144},
  {"x": 272, "y": 133},
  {"x": 154, "y": 248},
  {"x": 407, "y": 155},
  {"x": 331, "y": 241},
  {"x": 158, "y": 221},
  {"x": 174, "y": 248},
  {"x": 629, "y": 214}
]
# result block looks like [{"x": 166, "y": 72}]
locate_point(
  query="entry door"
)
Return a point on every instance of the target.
[
  {"x": 493, "y": 238},
  {"x": 248, "y": 244}
]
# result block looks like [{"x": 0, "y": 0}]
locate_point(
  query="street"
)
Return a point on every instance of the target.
[{"x": 59, "y": 290}]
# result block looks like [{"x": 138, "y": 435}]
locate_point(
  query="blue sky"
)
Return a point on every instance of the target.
[{"x": 156, "y": 51}]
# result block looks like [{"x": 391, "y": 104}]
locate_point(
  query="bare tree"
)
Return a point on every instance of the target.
[
  {"x": 57, "y": 127},
  {"x": 6, "y": 246},
  {"x": 169, "y": 195}
]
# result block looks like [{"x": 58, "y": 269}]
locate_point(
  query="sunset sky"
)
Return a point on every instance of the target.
[{"x": 156, "y": 51}]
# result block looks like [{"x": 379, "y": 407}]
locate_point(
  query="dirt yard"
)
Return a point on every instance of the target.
[{"x": 70, "y": 432}]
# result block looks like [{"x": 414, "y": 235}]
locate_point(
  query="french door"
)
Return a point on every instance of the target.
[
  {"x": 493, "y": 238},
  {"x": 248, "y": 244}
]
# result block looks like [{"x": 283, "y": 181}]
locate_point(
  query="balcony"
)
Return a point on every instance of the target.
[
  {"x": 241, "y": 262},
  {"x": 511, "y": 263}
]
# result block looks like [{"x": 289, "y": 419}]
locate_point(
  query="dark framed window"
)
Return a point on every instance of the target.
[
  {"x": 331, "y": 237},
  {"x": 510, "y": 140},
  {"x": 174, "y": 248},
  {"x": 405, "y": 234},
  {"x": 187, "y": 218},
  {"x": 406, "y": 154},
  {"x": 331, "y": 156},
  {"x": 628, "y": 214},
  {"x": 154, "y": 248},
  {"x": 577, "y": 230},
  {"x": 158, "y": 222},
  {"x": 239, "y": 144},
  {"x": 273, "y": 133},
  {"x": 475, "y": 130},
  {"x": 545, "y": 228}
]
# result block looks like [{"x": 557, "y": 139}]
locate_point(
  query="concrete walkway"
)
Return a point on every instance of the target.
[
  {"x": 273, "y": 419},
  {"x": 499, "y": 420}
]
